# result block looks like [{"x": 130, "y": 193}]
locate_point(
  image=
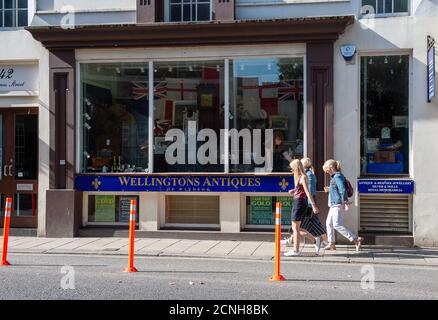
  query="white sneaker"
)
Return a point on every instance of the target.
[
  {"x": 291, "y": 253},
  {"x": 286, "y": 242},
  {"x": 317, "y": 244}
]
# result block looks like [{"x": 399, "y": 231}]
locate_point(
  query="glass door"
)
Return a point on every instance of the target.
[{"x": 19, "y": 164}]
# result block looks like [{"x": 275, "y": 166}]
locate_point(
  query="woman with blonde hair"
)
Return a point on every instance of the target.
[
  {"x": 338, "y": 202},
  {"x": 311, "y": 227},
  {"x": 301, "y": 193},
  {"x": 311, "y": 222}
]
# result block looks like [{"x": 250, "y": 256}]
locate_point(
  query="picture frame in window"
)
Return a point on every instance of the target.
[
  {"x": 178, "y": 111},
  {"x": 207, "y": 96},
  {"x": 400, "y": 121},
  {"x": 278, "y": 122}
]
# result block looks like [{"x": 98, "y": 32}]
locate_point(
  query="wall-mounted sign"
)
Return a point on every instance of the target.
[
  {"x": 261, "y": 211},
  {"x": 18, "y": 80},
  {"x": 24, "y": 187},
  {"x": 383, "y": 186},
  {"x": 104, "y": 208},
  {"x": 125, "y": 208},
  {"x": 187, "y": 183},
  {"x": 430, "y": 69},
  {"x": 286, "y": 209}
]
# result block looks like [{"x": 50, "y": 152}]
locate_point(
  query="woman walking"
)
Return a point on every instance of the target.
[
  {"x": 338, "y": 202},
  {"x": 301, "y": 194},
  {"x": 311, "y": 222},
  {"x": 311, "y": 227}
]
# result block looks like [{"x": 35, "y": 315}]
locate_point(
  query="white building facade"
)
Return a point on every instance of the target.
[
  {"x": 24, "y": 97},
  {"x": 245, "y": 65}
]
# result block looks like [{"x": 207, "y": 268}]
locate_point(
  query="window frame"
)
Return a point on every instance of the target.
[
  {"x": 384, "y": 15},
  {"x": 228, "y": 85},
  {"x": 167, "y": 5},
  {"x": 16, "y": 11},
  {"x": 365, "y": 54}
]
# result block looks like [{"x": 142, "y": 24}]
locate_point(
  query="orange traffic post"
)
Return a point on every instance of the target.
[
  {"x": 277, "y": 276},
  {"x": 8, "y": 209},
  {"x": 130, "y": 267}
]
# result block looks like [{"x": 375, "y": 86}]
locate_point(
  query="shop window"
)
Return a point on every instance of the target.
[
  {"x": 114, "y": 118},
  {"x": 111, "y": 208},
  {"x": 267, "y": 94},
  {"x": 202, "y": 210},
  {"x": 13, "y": 13},
  {"x": 385, "y": 114},
  {"x": 188, "y": 94},
  {"x": 260, "y": 210},
  {"x": 385, "y": 7},
  {"x": 189, "y": 10},
  {"x": 25, "y": 205}
]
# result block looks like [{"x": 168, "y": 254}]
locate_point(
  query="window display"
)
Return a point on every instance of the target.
[
  {"x": 260, "y": 210},
  {"x": 110, "y": 208},
  {"x": 385, "y": 114},
  {"x": 187, "y": 91},
  {"x": 114, "y": 117},
  {"x": 268, "y": 94}
]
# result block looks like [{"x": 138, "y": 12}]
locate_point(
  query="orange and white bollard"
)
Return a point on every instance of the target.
[
  {"x": 277, "y": 276},
  {"x": 8, "y": 210},
  {"x": 130, "y": 267}
]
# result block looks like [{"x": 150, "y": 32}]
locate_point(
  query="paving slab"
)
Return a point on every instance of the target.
[
  {"x": 23, "y": 240},
  {"x": 79, "y": 242},
  {"x": 97, "y": 245},
  {"x": 159, "y": 245},
  {"x": 54, "y": 243},
  {"x": 13, "y": 239},
  {"x": 115, "y": 246},
  {"x": 143, "y": 243},
  {"x": 180, "y": 247},
  {"x": 266, "y": 249},
  {"x": 246, "y": 248},
  {"x": 390, "y": 258},
  {"x": 223, "y": 248},
  {"x": 431, "y": 260},
  {"x": 30, "y": 244},
  {"x": 201, "y": 247}
]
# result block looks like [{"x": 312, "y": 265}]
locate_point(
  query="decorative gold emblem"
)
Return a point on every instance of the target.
[
  {"x": 96, "y": 184},
  {"x": 283, "y": 184}
]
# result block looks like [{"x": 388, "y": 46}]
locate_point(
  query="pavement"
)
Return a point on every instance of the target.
[
  {"x": 83, "y": 277},
  {"x": 249, "y": 250}
]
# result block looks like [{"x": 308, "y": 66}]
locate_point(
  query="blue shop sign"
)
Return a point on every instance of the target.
[
  {"x": 194, "y": 183},
  {"x": 430, "y": 73},
  {"x": 386, "y": 186}
]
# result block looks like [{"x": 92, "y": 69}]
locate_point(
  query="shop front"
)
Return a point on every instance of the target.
[
  {"x": 182, "y": 126},
  {"x": 19, "y": 93}
]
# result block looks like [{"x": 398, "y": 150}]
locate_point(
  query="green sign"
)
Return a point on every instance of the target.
[
  {"x": 261, "y": 210},
  {"x": 105, "y": 208},
  {"x": 286, "y": 209}
]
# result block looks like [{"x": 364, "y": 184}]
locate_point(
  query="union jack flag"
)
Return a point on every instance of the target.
[
  {"x": 290, "y": 90},
  {"x": 141, "y": 90}
]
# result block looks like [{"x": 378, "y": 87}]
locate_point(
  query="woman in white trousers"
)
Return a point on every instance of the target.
[{"x": 338, "y": 202}]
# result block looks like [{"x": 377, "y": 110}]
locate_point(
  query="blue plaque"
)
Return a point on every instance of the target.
[
  {"x": 186, "y": 183},
  {"x": 430, "y": 73},
  {"x": 386, "y": 186}
]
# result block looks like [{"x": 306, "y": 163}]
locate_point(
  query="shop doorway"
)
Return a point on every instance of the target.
[{"x": 19, "y": 164}]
